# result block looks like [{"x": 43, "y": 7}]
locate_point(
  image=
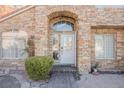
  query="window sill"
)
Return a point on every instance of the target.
[
  {"x": 12, "y": 59},
  {"x": 106, "y": 59}
]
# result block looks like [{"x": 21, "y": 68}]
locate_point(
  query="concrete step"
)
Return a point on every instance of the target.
[
  {"x": 66, "y": 69},
  {"x": 63, "y": 68}
]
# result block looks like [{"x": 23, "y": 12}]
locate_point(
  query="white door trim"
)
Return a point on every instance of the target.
[
  {"x": 67, "y": 53},
  {"x": 74, "y": 38}
]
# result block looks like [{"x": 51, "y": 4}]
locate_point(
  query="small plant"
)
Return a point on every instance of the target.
[
  {"x": 96, "y": 65},
  {"x": 95, "y": 68},
  {"x": 39, "y": 67}
]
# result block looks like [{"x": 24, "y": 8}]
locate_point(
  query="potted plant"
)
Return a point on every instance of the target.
[{"x": 95, "y": 69}]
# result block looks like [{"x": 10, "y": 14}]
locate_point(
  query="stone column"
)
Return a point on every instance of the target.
[{"x": 83, "y": 56}]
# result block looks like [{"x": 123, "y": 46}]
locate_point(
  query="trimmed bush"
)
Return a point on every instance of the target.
[{"x": 39, "y": 67}]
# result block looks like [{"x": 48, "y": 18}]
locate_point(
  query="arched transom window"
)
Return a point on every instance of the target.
[{"x": 63, "y": 26}]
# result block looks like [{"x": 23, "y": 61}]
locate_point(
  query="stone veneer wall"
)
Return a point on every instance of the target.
[
  {"x": 24, "y": 22},
  {"x": 11, "y": 66},
  {"x": 84, "y": 14},
  {"x": 35, "y": 21},
  {"x": 118, "y": 62}
]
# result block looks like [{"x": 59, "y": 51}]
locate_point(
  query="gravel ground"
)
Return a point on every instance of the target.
[
  {"x": 101, "y": 81},
  {"x": 64, "y": 80},
  {"x": 7, "y": 81}
]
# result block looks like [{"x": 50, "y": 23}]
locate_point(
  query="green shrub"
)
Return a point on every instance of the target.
[{"x": 39, "y": 67}]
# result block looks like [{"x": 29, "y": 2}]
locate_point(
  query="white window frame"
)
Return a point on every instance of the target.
[
  {"x": 114, "y": 48},
  {"x": 7, "y": 58}
]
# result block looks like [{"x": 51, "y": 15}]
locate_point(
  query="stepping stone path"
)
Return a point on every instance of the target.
[{"x": 7, "y": 81}]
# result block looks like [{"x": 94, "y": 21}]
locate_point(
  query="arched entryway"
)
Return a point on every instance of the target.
[{"x": 62, "y": 26}]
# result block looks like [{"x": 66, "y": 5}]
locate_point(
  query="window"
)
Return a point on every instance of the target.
[
  {"x": 104, "y": 46},
  {"x": 12, "y": 46},
  {"x": 68, "y": 43},
  {"x": 109, "y": 6},
  {"x": 63, "y": 26}
]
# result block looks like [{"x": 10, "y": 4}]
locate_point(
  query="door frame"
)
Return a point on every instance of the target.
[{"x": 75, "y": 49}]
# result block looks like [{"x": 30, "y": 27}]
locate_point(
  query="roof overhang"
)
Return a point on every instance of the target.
[{"x": 14, "y": 13}]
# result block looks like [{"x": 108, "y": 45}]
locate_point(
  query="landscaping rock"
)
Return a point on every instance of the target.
[{"x": 7, "y": 81}]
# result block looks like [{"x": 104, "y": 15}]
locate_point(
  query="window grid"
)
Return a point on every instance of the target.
[
  {"x": 104, "y": 46},
  {"x": 63, "y": 26},
  {"x": 14, "y": 49}
]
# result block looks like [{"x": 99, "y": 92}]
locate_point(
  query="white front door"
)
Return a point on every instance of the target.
[{"x": 67, "y": 49}]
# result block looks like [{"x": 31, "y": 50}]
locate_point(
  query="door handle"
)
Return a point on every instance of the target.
[
  {"x": 62, "y": 50},
  {"x": 61, "y": 47}
]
